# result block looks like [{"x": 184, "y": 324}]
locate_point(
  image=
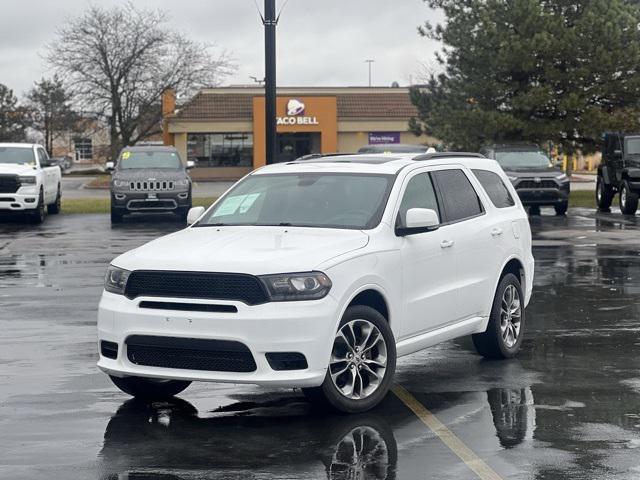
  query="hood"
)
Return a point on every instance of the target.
[
  {"x": 15, "y": 169},
  {"x": 542, "y": 172},
  {"x": 133, "y": 174},
  {"x": 245, "y": 249}
]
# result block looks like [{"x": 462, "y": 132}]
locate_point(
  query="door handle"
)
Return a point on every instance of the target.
[
  {"x": 496, "y": 232},
  {"x": 446, "y": 243}
]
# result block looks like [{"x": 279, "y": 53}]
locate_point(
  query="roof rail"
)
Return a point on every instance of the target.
[{"x": 433, "y": 156}]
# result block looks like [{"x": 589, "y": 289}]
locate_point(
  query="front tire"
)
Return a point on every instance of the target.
[
  {"x": 505, "y": 331},
  {"x": 56, "y": 207},
  {"x": 628, "y": 199},
  {"x": 149, "y": 389},
  {"x": 38, "y": 215},
  {"x": 604, "y": 195},
  {"x": 116, "y": 215},
  {"x": 561, "y": 208},
  {"x": 362, "y": 364}
]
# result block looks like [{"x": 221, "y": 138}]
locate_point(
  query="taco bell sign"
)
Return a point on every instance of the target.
[{"x": 376, "y": 138}]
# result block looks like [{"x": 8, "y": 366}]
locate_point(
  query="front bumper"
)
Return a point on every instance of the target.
[
  {"x": 19, "y": 201},
  {"x": 306, "y": 327},
  {"x": 544, "y": 196},
  {"x": 141, "y": 201}
]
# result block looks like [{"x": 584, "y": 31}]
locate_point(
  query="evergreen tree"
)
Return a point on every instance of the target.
[
  {"x": 13, "y": 118},
  {"x": 530, "y": 70}
]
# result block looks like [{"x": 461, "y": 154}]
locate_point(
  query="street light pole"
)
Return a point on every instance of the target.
[
  {"x": 270, "y": 21},
  {"x": 369, "y": 62}
]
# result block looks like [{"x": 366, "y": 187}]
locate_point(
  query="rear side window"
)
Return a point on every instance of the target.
[
  {"x": 459, "y": 199},
  {"x": 495, "y": 188}
]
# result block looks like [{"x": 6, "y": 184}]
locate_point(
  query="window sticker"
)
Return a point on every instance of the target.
[
  {"x": 248, "y": 202},
  {"x": 229, "y": 206},
  {"x": 126, "y": 155}
]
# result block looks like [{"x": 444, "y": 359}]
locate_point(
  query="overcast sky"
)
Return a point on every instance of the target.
[{"x": 320, "y": 42}]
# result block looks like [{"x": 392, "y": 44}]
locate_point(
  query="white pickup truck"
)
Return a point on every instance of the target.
[{"x": 29, "y": 181}]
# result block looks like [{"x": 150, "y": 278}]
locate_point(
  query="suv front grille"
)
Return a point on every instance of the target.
[
  {"x": 9, "y": 183},
  {"x": 152, "y": 185},
  {"x": 534, "y": 185},
  {"x": 203, "y": 285},
  {"x": 190, "y": 354}
]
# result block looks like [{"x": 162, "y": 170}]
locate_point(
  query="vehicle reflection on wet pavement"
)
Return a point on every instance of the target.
[{"x": 567, "y": 407}]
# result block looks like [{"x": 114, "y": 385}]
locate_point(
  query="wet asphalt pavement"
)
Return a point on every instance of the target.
[{"x": 568, "y": 407}]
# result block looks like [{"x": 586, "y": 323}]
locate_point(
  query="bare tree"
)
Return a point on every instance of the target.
[{"x": 118, "y": 61}]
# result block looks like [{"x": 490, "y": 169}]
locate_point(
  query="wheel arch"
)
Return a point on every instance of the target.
[{"x": 372, "y": 297}]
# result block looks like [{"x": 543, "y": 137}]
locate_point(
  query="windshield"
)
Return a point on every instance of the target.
[
  {"x": 17, "y": 155},
  {"x": 633, "y": 146},
  {"x": 323, "y": 200},
  {"x": 522, "y": 159},
  {"x": 144, "y": 159}
]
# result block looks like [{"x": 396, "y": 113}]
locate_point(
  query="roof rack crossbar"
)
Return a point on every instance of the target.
[{"x": 433, "y": 156}]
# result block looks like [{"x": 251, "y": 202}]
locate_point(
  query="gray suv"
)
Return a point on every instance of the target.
[{"x": 149, "y": 179}]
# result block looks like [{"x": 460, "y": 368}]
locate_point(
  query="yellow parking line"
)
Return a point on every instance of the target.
[{"x": 475, "y": 463}]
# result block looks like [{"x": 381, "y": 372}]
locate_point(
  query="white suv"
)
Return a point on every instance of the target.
[{"x": 320, "y": 273}]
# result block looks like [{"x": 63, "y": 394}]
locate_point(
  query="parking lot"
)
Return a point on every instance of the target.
[{"x": 568, "y": 407}]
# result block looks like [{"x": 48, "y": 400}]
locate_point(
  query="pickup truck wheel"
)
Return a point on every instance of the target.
[
  {"x": 604, "y": 195},
  {"x": 628, "y": 199},
  {"x": 38, "y": 214},
  {"x": 149, "y": 388},
  {"x": 56, "y": 207},
  {"x": 561, "y": 208},
  {"x": 503, "y": 336},
  {"x": 116, "y": 216},
  {"x": 362, "y": 362}
]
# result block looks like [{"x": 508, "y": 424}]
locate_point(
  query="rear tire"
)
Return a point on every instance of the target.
[
  {"x": 362, "y": 377},
  {"x": 628, "y": 199},
  {"x": 604, "y": 195},
  {"x": 505, "y": 331},
  {"x": 149, "y": 389},
  {"x": 561, "y": 208},
  {"x": 56, "y": 207}
]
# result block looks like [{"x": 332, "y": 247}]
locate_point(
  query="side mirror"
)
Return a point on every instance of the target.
[
  {"x": 190, "y": 164},
  {"x": 419, "y": 220},
  {"x": 109, "y": 166},
  {"x": 194, "y": 214}
]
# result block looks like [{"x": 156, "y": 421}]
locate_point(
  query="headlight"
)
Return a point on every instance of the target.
[
  {"x": 182, "y": 183},
  {"x": 116, "y": 280},
  {"x": 562, "y": 178},
  {"x": 28, "y": 180},
  {"x": 120, "y": 183},
  {"x": 297, "y": 286}
]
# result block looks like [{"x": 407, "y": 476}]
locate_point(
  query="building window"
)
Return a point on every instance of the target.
[
  {"x": 220, "y": 149},
  {"x": 83, "y": 148}
]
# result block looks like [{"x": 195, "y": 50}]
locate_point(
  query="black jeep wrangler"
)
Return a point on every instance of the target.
[{"x": 619, "y": 172}]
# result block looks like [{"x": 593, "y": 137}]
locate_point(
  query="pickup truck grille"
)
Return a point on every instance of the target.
[
  {"x": 201, "y": 285},
  {"x": 152, "y": 185},
  {"x": 9, "y": 183},
  {"x": 540, "y": 184}
]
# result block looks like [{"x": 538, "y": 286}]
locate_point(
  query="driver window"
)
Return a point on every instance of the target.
[
  {"x": 419, "y": 193},
  {"x": 42, "y": 157}
]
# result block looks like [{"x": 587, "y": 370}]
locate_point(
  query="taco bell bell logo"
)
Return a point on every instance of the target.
[
  {"x": 296, "y": 114},
  {"x": 295, "y": 107}
]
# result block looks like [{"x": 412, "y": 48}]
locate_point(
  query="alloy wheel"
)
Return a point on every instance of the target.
[
  {"x": 623, "y": 197},
  {"x": 510, "y": 316},
  {"x": 358, "y": 359}
]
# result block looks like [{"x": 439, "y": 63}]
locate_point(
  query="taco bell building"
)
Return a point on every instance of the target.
[{"x": 222, "y": 129}]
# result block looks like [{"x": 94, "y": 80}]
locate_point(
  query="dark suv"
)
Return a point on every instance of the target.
[
  {"x": 149, "y": 179},
  {"x": 538, "y": 182},
  {"x": 619, "y": 172}
]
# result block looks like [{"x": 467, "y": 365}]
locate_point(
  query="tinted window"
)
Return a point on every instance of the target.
[
  {"x": 418, "y": 194},
  {"x": 459, "y": 199},
  {"x": 495, "y": 188}
]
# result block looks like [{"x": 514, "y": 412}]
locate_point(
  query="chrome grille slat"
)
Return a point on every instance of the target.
[{"x": 152, "y": 185}]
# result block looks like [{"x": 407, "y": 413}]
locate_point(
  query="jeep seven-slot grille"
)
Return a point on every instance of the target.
[
  {"x": 9, "y": 183},
  {"x": 209, "y": 286},
  {"x": 534, "y": 184},
  {"x": 190, "y": 354},
  {"x": 152, "y": 185}
]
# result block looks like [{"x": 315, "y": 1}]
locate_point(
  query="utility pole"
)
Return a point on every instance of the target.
[
  {"x": 369, "y": 62},
  {"x": 270, "y": 22}
]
